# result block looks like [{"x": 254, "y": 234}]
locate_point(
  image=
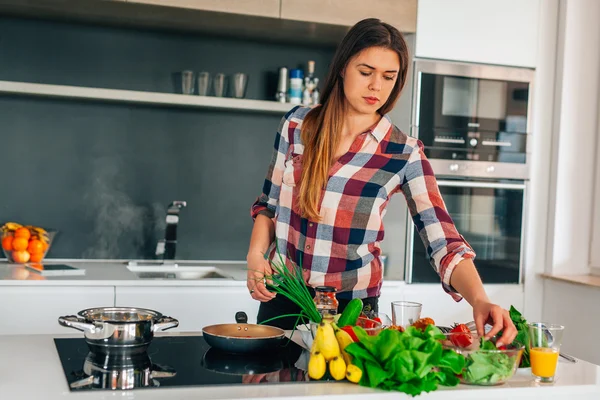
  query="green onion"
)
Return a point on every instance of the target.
[{"x": 289, "y": 282}]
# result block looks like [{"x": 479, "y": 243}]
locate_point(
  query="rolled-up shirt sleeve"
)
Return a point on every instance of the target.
[
  {"x": 266, "y": 203},
  {"x": 445, "y": 247}
]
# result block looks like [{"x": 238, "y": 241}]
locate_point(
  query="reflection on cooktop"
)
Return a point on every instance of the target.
[{"x": 176, "y": 361}]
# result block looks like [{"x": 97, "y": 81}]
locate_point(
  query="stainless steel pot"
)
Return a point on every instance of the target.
[
  {"x": 118, "y": 329},
  {"x": 121, "y": 372}
]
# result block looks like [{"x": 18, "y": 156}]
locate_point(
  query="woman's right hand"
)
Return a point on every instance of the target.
[{"x": 258, "y": 268}]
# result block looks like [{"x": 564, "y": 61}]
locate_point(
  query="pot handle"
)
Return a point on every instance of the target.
[
  {"x": 241, "y": 317},
  {"x": 72, "y": 321},
  {"x": 165, "y": 323}
]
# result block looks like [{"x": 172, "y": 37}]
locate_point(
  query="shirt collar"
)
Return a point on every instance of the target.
[{"x": 381, "y": 128}]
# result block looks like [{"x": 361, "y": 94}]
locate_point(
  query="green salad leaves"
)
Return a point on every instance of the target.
[
  {"x": 522, "y": 335},
  {"x": 411, "y": 362},
  {"x": 488, "y": 368}
]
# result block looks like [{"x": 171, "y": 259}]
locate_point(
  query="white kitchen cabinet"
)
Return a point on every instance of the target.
[
  {"x": 438, "y": 305},
  {"x": 35, "y": 309},
  {"x": 262, "y": 8},
  {"x": 399, "y": 13},
  {"x": 483, "y": 31},
  {"x": 194, "y": 307}
]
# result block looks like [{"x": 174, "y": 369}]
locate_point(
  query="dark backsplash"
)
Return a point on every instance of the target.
[{"x": 102, "y": 174}]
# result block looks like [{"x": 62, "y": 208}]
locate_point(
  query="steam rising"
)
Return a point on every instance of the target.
[{"x": 122, "y": 229}]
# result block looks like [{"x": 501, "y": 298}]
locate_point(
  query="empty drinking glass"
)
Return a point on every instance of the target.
[
  {"x": 220, "y": 85},
  {"x": 404, "y": 313},
  {"x": 203, "y": 83},
  {"x": 187, "y": 82},
  {"x": 240, "y": 82}
]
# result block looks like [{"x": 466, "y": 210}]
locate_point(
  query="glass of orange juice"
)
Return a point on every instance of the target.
[{"x": 544, "y": 341}]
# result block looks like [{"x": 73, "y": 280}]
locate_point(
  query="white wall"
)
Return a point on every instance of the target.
[
  {"x": 576, "y": 97},
  {"x": 571, "y": 201},
  {"x": 536, "y": 222},
  {"x": 574, "y": 306}
]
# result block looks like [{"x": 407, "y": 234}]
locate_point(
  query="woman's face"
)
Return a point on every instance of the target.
[{"x": 369, "y": 79}]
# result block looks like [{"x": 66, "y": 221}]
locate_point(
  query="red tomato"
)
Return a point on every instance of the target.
[
  {"x": 461, "y": 336},
  {"x": 350, "y": 332}
]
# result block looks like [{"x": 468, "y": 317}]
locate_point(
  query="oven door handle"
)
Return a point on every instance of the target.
[{"x": 484, "y": 185}]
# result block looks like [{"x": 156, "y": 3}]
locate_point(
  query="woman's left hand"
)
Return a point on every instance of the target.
[{"x": 487, "y": 313}]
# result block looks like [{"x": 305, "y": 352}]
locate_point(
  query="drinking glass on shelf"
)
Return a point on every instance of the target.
[
  {"x": 220, "y": 85},
  {"x": 240, "y": 82},
  {"x": 404, "y": 313},
  {"x": 545, "y": 341},
  {"x": 203, "y": 83},
  {"x": 187, "y": 82}
]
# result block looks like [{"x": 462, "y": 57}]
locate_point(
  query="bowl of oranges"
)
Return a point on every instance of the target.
[{"x": 25, "y": 244}]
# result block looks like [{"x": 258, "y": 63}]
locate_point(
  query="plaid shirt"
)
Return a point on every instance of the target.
[{"x": 342, "y": 250}]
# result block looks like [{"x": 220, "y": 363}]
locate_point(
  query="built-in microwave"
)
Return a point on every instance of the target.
[
  {"x": 475, "y": 124},
  {"x": 474, "y": 120}
]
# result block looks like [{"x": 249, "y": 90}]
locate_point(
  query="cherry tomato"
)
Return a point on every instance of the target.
[{"x": 461, "y": 336}]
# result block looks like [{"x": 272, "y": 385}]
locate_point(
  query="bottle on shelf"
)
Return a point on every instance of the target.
[
  {"x": 295, "y": 90},
  {"x": 316, "y": 95},
  {"x": 282, "y": 85},
  {"x": 311, "y": 92}
]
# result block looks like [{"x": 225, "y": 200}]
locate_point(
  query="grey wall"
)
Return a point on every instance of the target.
[{"x": 102, "y": 174}]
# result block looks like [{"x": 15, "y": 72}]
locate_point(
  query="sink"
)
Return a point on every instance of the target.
[{"x": 162, "y": 270}]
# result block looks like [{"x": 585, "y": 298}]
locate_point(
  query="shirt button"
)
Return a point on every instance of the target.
[
  {"x": 308, "y": 247},
  {"x": 311, "y": 224}
]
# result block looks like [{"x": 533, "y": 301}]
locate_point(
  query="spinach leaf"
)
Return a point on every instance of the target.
[
  {"x": 522, "y": 334},
  {"x": 411, "y": 362}
]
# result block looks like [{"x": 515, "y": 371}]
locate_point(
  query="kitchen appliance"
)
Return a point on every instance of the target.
[
  {"x": 475, "y": 126},
  {"x": 118, "y": 330},
  {"x": 474, "y": 120},
  {"x": 243, "y": 337},
  {"x": 178, "y": 361}
]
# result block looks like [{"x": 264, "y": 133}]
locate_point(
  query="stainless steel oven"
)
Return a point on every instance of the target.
[
  {"x": 474, "y": 122},
  {"x": 490, "y": 216}
]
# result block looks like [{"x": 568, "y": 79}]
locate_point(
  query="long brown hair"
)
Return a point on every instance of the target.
[{"x": 322, "y": 125}]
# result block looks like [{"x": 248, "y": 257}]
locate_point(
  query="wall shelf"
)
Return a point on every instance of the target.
[{"x": 141, "y": 97}]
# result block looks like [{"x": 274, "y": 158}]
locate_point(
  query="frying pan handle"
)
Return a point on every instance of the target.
[{"x": 241, "y": 317}]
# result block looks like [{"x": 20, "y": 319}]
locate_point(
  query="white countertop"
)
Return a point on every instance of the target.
[
  {"x": 31, "y": 369},
  {"x": 115, "y": 273}
]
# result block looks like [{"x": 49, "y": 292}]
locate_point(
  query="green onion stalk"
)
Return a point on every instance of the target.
[{"x": 289, "y": 282}]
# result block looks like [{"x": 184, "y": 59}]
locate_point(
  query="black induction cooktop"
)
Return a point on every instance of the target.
[{"x": 178, "y": 361}]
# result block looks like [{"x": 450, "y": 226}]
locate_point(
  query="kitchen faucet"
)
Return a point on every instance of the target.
[{"x": 166, "y": 247}]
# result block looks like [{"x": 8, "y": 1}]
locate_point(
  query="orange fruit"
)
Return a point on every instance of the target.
[
  {"x": 23, "y": 233},
  {"x": 36, "y": 257},
  {"x": 20, "y": 257},
  {"x": 35, "y": 246},
  {"x": 20, "y": 244},
  {"x": 7, "y": 243}
]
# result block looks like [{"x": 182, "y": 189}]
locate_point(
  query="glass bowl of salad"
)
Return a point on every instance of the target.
[{"x": 486, "y": 364}]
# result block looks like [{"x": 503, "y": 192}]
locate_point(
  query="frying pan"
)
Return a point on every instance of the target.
[{"x": 243, "y": 337}]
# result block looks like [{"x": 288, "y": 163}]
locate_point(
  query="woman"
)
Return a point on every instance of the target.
[{"x": 333, "y": 171}]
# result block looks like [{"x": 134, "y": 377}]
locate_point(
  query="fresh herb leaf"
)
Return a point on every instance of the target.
[{"x": 412, "y": 361}]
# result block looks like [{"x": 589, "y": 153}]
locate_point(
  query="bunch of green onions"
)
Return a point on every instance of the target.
[{"x": 289, "y": 282}]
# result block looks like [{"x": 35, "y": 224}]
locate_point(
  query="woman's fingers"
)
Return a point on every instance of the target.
[
  {"x": 509, "y": 333},
  {"x": 498, "y": 319},
  {"x": 256, "y": 283}
]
